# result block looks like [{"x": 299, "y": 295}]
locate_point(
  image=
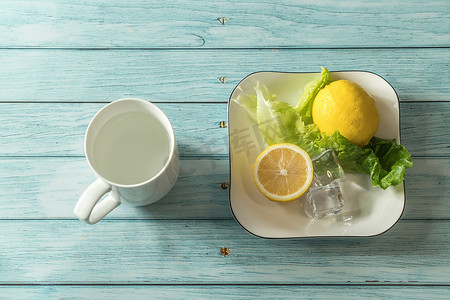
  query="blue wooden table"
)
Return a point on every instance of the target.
[{"x": 61, "y": 61}]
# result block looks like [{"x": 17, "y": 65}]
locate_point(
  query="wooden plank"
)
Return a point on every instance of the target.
[
  {"x": 228, "y": 292},
  {"x": 48, "y": 188},
  {"x": 171, "y": 252},
  {"x": 42, "y": 188},
  {"x": 427, "y": 187},
  {"x": 191, "y": 23},
  {"x": 57, "y": 129},
  {"x": 424, "y": 128},
  {"x": 193, "y": 76}
]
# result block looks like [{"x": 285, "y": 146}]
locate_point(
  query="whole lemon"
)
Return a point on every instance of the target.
[{"x": 345, "y": 106}]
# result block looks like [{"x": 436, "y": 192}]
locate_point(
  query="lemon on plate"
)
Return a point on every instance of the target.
[
  {"x": 283, "y": 172},
  {"x": 345, "y": 106}
]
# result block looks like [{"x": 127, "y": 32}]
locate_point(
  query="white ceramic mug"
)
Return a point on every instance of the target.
[{"x": 130, "y": 145}]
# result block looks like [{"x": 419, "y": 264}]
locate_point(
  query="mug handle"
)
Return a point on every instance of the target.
[{"x": 87, "y": 208}]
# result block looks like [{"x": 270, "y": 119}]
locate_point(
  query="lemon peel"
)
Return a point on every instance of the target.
[{"x": 346, "y": 107}]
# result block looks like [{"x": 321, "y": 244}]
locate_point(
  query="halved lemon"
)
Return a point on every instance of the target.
[{"x": 283, "y": 172}]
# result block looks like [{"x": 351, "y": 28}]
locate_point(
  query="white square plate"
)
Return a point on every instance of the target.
[{"x": 368, "y": 211}]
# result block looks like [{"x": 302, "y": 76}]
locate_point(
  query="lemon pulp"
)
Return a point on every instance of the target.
[{"x": 283, "y": 172}]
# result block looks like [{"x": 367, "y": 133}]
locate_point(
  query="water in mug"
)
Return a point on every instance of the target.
[{"x": 131, "y": 148}]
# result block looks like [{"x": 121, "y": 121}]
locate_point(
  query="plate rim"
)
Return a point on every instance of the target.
[{"x": 311, "y": 236}]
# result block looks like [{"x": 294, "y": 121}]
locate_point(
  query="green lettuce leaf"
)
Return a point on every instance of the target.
[
  {"x": 276, "y": 119},
  {"x": 384, "y": 160},
  {"x": 307, "y": 137},
  {"x": 304, "y": 105},
  {"x": 394, "y": 160},
  {"x": 248, "y": 102}
]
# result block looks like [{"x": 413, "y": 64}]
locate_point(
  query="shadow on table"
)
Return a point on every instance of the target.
[{"x": 197, "y": 194}]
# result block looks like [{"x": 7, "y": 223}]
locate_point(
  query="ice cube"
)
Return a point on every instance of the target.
[
  {"x": 326, "y": 168},
  {"x": 325, "y": 200}
]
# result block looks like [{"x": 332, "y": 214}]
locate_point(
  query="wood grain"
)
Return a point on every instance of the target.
[
  {"x": 48, "y": 188},
  {"x": 193, "y": 76},
  {"x": 170, "y": 252},
  {"x": 427, "y": 186},
  {"x": 44, "y": 129},
  {"x": 228, "y": 292},
  {"x": 61, "y": 61},
  {"x": 426, "y": 132},
  {"x": 191, "y": 23},
  {"x": 58, "y": 128}
]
